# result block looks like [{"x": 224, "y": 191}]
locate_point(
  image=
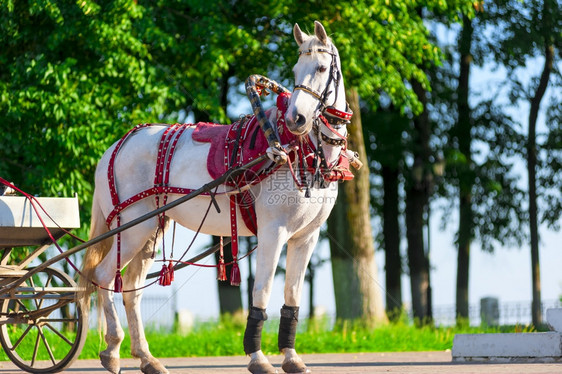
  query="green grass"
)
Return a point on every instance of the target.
[
  {"x": 225, "y": 338},
  {"x": 26, "y": 347}
]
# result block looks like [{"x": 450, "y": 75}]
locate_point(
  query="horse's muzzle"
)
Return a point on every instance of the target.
[{"x": 296, "y": 123}]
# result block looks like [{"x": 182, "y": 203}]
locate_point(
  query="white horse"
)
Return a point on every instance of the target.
[{"x": 283, "y": 216}]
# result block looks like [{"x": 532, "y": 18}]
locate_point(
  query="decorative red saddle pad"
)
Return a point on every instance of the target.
[
  {"x": 246, "y": 140},
  {"x": 251, "y": 143},
  {"x": 215, "y": 134}
]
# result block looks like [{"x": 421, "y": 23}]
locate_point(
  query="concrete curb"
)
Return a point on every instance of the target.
[{"x": 537, "y": 347}]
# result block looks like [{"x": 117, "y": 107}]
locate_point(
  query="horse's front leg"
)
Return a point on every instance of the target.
[
  {"x": 133, "y": 279},
  {"x": 299, "y": 250},
  {"x": 267, "y": 257}
]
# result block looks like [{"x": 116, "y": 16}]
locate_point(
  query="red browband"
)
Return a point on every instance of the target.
[{"x": 338, "y": 113}]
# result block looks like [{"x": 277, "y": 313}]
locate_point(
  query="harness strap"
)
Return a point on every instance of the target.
[
  {"x": 236, "y": 135},
  {"x": 235, "y": 272},
  {"x": 147, "y": 193},
  {"x": 118, "y": 285},
  {"x": 166, "y": 148}
]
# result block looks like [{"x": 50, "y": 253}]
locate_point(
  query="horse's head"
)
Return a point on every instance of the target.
[{"x": 318, "y": 80}]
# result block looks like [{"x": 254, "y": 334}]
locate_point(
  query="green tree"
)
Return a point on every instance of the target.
[
  {"x": 480, "y": 143},
  {"x": 73, "y": 77},
  {"x": 384, "y": 132},
  {"x": 383, "y": 46},
  {"x": 533, "y": 31}
]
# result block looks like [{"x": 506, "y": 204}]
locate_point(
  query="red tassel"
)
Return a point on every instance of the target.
[
  {"x": 235, "y": 275},
  {"x": 222, "y": 267},
  {"x": 118, "y": 285},
  {"x": 164, "y": 279},
  {"x": 222, "y": 270},
  {"x": 171, "y": 271}
]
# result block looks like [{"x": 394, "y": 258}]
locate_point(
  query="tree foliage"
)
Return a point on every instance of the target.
[{"x": 73, "y": 77}]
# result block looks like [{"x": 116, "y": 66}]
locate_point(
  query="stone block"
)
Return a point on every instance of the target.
[
  {"x": 554, "y": 319},
  {"x": 490, "y": 311}
]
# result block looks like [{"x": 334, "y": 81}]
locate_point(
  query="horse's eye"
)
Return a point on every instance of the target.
[{"x": 321, "y": 68}]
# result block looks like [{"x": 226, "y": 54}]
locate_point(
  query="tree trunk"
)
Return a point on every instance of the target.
[
  {"x": 356, "y": 286},
  {"x": 419, "y": 273},
  {"x": 418, "y": 189},
  {"x": 531, "y": 169},
  {"x": 310, "y": 279},
  {"x": 391, "y": 237},
  {"x": 230, "y": 298},
  {"x": 250, "y": 293},
  {"x": 465, "y": 174}
]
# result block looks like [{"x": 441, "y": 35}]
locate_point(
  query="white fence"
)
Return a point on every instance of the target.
[
  {"x": 160, "y": 312},
  {"x": 510, "y": 313}
]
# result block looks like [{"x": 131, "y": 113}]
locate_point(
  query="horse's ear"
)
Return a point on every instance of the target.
[
  {"x": 320, "y": 32},
  {"x": 299, "y": 35}
]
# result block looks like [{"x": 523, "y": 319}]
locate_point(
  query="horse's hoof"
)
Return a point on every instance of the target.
[
  {"x": 258, "y": 367},
  {"x": 110, "y": 363},
  {"x": 294, "y": 367},
  {"x": 154, "y": 367}
]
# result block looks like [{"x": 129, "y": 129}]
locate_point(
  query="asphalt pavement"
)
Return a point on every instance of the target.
[{"x": 396, "y": 362}]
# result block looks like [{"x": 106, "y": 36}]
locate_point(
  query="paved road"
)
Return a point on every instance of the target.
[{"x": 403, "y": 362}]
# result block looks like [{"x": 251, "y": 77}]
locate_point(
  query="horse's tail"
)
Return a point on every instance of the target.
[{"x": 94, "y": 254}]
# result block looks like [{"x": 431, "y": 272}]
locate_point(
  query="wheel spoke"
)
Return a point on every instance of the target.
[
  {"x": 59, "y": 334},
  {"x": 35, "y": 350},
  {"x": 22, "y": 305},
  {"x": 47, "y": 346},
  {"x": 40, "y": 301},
  {"x": 32, "y": 283},
  {"x": 17, "y": 343}
]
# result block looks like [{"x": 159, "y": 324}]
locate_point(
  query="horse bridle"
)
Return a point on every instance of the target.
[{"x": 333, "y": 116}]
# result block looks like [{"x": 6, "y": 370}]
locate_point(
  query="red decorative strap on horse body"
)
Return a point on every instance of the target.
[
  {"x": 118, "y": 283},
  {"x": 235, "y": 272},
  {"x": 340, "y": 172},
  {"x": 147, "y": 193},
  {"x": 166, "y": 148}
]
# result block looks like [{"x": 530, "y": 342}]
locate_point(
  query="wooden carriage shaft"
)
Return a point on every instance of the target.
[{"x": 205, "y": 188}]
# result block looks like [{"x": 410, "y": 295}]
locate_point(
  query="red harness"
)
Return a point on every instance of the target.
[
  {"x": 244, "y": 141},
  {"x": 166, "y": 150}
]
